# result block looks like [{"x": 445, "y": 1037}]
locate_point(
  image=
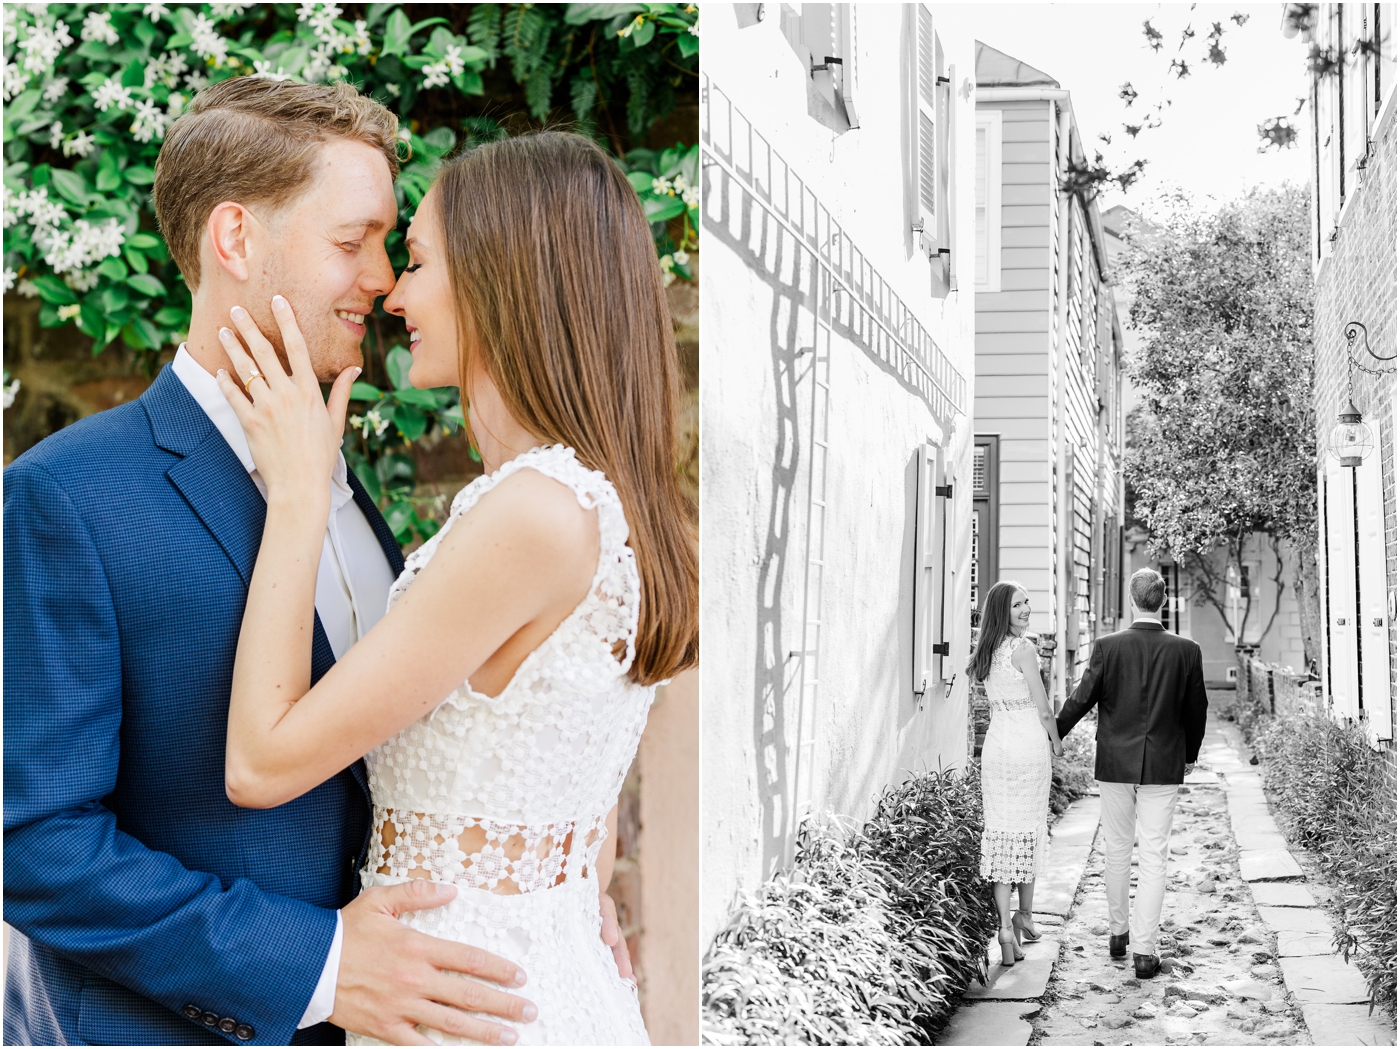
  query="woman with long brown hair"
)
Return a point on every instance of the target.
[
  {"x": 1015, "y": 761},
  {"x": 501, "y": 699}
]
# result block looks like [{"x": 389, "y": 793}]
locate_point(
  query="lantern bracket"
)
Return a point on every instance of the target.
[{"x": 1352, "y": 331}]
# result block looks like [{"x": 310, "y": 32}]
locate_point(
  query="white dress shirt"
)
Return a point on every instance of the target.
[{"x": 352, "y": 586}]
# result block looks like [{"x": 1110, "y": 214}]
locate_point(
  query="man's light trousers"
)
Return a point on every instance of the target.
[{"x": 1125, "y": 807}]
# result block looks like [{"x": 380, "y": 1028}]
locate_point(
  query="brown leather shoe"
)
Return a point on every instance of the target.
[
  {"x": 1118, "y": 945},
  {"x": 1146, "y": 966}
]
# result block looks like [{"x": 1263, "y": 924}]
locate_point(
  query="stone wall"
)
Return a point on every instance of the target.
[{"x": 1357, "y": 282}]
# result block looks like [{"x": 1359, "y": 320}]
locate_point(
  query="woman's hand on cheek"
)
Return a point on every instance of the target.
[{"x": 293, "y": 435}]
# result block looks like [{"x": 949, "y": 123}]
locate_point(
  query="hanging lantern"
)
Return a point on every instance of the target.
[{"x": 1351, "y": 439}]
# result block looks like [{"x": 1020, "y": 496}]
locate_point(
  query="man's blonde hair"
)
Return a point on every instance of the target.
[{"x": 254, "y": 141}]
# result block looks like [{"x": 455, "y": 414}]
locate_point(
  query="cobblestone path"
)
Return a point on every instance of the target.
[{"x": 1225, "y": 986}]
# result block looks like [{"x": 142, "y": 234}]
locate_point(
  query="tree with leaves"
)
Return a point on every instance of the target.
[{"x": 1222, "y": 446}]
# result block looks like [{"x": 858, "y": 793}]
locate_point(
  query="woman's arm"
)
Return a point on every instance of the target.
[
  {"x": 1023, "y": 657},
  {"x": 517, "y": 563}
]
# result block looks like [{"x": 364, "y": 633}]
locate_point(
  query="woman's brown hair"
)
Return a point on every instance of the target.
[
  {"x": 560, "y": 301},
  {"x": 994, "y": 628}
]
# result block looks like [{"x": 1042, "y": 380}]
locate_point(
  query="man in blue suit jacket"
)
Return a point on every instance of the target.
[{"x": 147, "y": 908}]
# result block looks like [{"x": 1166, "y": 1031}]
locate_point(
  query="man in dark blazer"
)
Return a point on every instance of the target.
[{"x": 1148, "y": 685}]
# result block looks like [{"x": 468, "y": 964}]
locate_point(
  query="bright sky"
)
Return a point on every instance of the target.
[{"x": 1208, "y": 142}]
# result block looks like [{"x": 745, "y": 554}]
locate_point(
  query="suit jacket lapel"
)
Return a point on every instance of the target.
[{"x": 217, "y": 487}]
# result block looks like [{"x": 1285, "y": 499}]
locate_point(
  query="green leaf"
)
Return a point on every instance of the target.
[
  {"x": 70, "y": 185},
  {"x": 398, "y": 363},
  {"x": 144, "y": 31},
  {"x": 24, "y": 105},
  {"x": 134, "y": 75},
  {"x": 397, "y": 31},
  {"x": 136, "y": 260},
  {"x": 396, "y": 470},
  {"x": 146, "y": 284},
  {"x": 452, "y": 418},
  {"x": 172, "y": 317},
  {"x": 687, "y": 44},
  {"x": 641, "y": 181},
  {"x": 641, "y": 36},
  {"x": 144, "y": 241},
  {"x": 141, "y": 334},
  {"x": 422, "y": 398},
  {"x": 140, "y": 175},
  {"x": 418, "y": 26},
  {"x": 578, "y": 14},
  {"x": 91, "y": 321},
  {"x": 369, "y": 479},
  {"x": 53, "y": 290},
  {"x": 363, "y": 391},
  {"x": 114, "y": 298},
  {"x": 48, "y": 316},
  {"x": 113, "y": 269},
  {"x": 662, "y": 209},
  {"x": 94, "y": 51},
  {"x": 108, "y": 177},
  {"x": 411, "y": 421},
  {"x": 440, "y": 140},
  {"x": 400, "y": 518}
]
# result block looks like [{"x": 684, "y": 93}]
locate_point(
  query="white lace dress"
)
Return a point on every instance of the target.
[
  {"x": 1015, "y": 774},
  {"x": 508, "y": 797}
]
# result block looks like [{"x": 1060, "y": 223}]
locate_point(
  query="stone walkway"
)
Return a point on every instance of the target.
[{"x": 1250, "y": 953}]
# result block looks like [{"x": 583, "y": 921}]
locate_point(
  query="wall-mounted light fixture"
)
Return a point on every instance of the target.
[{"x": 1351, "y": 439}]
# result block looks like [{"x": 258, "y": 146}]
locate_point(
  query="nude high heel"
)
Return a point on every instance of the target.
[
  {"x": 1010, "y": 953},
  {"x": 1021, "y": 922}
]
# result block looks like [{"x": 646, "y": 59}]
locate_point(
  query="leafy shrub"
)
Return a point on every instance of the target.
[
  {"x": 1337, "y": 796},
  {"x": 869, "y": 939},
  {"x": 91, "y": 89},
  {"x": 1072, "y": 775}
]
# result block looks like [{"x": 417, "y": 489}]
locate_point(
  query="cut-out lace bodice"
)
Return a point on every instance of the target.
[{"x": 508, "y": 795}]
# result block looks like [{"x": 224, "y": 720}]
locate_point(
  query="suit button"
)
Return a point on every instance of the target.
[
  {"x": 227, "y": 1024},
  {"x": 194, "y": 1012},
  {"x": 211, "y": 1019},
  {"x": 243, "y": 1033}
]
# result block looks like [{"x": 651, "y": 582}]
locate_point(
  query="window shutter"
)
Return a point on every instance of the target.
[
  {"x": 926, "y": 124},
  {"x": 846, "y": 49},
  {"x": 1375, "y": 620},
  {"x": 929, "y": 541},
  {"x": 987, "y": 202},
  {"x": 1341, "y": 589}
]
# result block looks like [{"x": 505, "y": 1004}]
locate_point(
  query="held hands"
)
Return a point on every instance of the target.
[
  {"x": 293, "y": 435},
  {"x": 1057, "y": 748}
]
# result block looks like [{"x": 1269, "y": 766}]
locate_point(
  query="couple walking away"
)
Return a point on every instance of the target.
[
  {"x": 1150, "y": 691},
  {"x": 265, "y": 782}
]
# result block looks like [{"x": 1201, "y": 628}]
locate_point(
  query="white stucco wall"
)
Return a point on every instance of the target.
[{"x": 757, "y": 451}]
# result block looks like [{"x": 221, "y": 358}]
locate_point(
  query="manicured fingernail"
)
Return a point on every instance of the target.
[
  {"x": 520, "y": 977},
  {"x": 221, "y": 374},
  {"x": 279, "y": 303},
  {"x": 225, "y": 333},
  {"x": 507, "y": 1036},
  {"x": 529, "y": 1013},
  {"x": 358, "y": 371},
  {"x": 443, "y": 890},
  {"x": 238, "y": 313}
]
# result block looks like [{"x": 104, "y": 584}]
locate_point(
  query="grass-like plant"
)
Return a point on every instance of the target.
[{"x": 1337, "y": 796}]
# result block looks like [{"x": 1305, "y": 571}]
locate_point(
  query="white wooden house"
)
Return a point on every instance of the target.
[
  {"x": 1048, "y": 408},
  {"x": 836, "y": 435}
]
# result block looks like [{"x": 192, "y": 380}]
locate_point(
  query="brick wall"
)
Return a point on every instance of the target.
[{"x": 1358, "y": 283}]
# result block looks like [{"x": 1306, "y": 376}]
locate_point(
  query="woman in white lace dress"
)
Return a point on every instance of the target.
[
  {"x": 500, "y": 701},
  {"x": 1015, "y": 761}
]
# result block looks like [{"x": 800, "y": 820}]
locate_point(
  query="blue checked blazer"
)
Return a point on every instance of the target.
[{"x": 147, "y": 908}]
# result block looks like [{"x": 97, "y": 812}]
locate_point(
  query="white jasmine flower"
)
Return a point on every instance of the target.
[
  {"x": 661, "y": 187},
  {"x": 196, "y": 82},
  {"x": 435, "y": 75},
  {"x": 206, "y": 41},
  {"x": 85, "y": 245},
  {"x": 55, "y": 89},
  {"x": 149, "y": 123},
  {"x": 454, "y": 60},
  {"x": 392, "y": 88},
  {"x": 82, "y": 280},
  {"x": 80, "y": 145},
  {"x": 98, "y": 26},
  {"x": 681, "y": 258},
  {"x": 223, "y": 12},
  {"x": 28, "y": 289},
  {"x": 15, "y": 81},
  {"x": 56, "y": 134},
  {"x": 11, "y": 25},
  {"x": 694, "y": 30},
  {"x": 679, "y": 184},
  {"x": 263, "y": 69},
  {"x": 691, "y": 197},
  {"x": 175, "y": 105},
  {"x": 361, "y": 39},
  {"x": 371, "y": 420},
  {"x": 67, "y": 313},
  {"x": 7, "y": 281},
  {"x": 11, "y": 390},
  {"x": 166, "y": 69},
  {"x": 155, "y": 12},
  {"x": 43, "y": 45},
  {"x": 109, "y": 93}
]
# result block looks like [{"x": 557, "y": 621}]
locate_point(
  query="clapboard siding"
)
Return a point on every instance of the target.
[
  {"x": 1009, "y": 384},
  {"x": 992, "y": 365},
  {"x": 1029, "y": 322},
  {"x": 1014, "y": 301}
]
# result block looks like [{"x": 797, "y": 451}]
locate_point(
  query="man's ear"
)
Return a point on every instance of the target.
[{"x": 230, "y": 234}]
